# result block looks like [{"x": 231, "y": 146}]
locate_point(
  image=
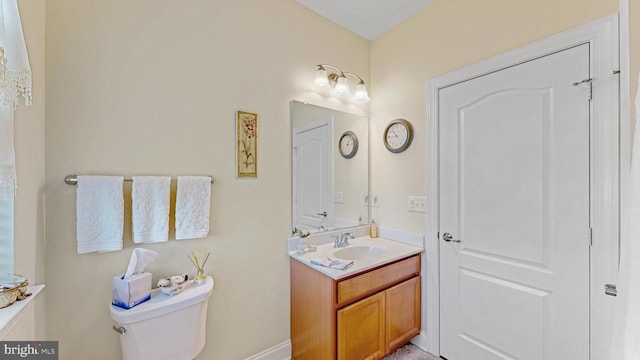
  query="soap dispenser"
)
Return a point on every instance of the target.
[{"x": 373, "y": 231}]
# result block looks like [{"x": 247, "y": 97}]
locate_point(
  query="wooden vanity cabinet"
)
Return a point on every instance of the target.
[{"x": 365, "y": 316}]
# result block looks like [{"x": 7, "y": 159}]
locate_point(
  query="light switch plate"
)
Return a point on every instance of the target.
[
  {"x": 375, "y": 200},
  {"x": 417, "y": 204}
]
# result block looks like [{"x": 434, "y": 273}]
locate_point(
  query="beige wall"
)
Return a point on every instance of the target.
[
  {"x": 30, "y": 163},
  {"x": 446, "y": 35},
  {"x": 634, "y": 54},
  {"x": 151, "y": 87}
]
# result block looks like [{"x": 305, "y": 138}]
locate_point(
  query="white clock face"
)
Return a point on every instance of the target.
[
  {"x": 397, "y": 136},
  {"x": 346, "y": 145}
]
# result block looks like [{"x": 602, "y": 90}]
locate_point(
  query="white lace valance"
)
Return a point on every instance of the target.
[
  {"x": 15, "y": 82},
  {"x": 7, "y": 182},
  {"x": 15, "y": 71}
]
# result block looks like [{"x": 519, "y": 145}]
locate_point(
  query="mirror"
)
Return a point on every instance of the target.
[{"x": 330, "y": 187}]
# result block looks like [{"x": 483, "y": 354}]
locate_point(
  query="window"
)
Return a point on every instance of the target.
[
  {"x": 15, "y": 82},
  {"x": 6, "y": 236}
]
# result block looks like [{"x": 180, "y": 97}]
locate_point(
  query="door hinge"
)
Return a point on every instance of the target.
[
  {"x": 438, "y": 236},
  {"x": 589, "y": 83},
  {"x": 611, "y": 289},
  {"x": 590, "y": 237}
]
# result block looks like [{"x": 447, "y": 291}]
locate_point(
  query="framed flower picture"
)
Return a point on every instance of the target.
[{"x": 247, "y": 144}]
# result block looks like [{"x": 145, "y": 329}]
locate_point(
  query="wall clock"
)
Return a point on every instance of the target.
[
  {"x": 398, "y": 135},
  {"x": 348, "y": 145}
]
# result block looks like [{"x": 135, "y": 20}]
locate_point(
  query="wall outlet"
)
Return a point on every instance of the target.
[
  {"x": 417, "y": 204},
  {"x": 338, "y": 197}
]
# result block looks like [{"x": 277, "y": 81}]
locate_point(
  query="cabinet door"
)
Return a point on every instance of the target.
[
  {"x": 361, "y": 329},
  {"x": 402, "y": 313}
]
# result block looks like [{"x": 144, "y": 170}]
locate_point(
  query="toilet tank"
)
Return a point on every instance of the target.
[{"x": 165, "y": 327}]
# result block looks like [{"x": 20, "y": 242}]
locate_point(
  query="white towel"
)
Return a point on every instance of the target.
[
  {"x": 99, "y": 213},
  {"x": 193, "y": 203},
  {"x": 332, "y": 263},
  {"x": 150, "y": 208}
]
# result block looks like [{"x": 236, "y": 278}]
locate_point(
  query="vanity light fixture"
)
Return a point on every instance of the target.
[{"x": 336, "y": 84}]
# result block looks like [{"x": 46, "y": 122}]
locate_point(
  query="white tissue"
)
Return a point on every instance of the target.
[{"x": 140, "y": 258}]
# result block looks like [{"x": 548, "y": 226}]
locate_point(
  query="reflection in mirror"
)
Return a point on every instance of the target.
[{"x": 330, "y": 189}]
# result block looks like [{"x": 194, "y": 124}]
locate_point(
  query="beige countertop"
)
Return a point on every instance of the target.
[{"x": 386, "y": 251}]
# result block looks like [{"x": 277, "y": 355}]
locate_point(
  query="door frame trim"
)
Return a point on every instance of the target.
[{"x": 606, "y": 161}]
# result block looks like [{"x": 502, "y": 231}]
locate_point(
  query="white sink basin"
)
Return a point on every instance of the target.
[{"x": 358, "y": 252}]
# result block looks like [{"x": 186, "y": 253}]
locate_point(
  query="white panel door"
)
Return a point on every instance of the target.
[
  {"x": 514, "y": 190},
  {"x": 312, "y": 175}
]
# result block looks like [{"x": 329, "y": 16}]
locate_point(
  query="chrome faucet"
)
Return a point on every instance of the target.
[{"x": 342, "y": 239}]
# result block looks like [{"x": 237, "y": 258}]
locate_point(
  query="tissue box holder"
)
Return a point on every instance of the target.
[{"x": 128, "y": 293}]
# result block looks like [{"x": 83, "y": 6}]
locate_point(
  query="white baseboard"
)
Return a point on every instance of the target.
[
  {"x": 421, "y": 341},
  {"x": 280, "y": 351}
]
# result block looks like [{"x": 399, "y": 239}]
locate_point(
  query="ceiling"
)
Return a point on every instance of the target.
[{"x": 367, "y": 18}]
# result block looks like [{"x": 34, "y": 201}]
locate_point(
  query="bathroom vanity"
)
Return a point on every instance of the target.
[{"x": 364, "y": 312}]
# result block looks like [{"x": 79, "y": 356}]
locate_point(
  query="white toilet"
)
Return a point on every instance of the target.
[{"x": 165, "y": 327}]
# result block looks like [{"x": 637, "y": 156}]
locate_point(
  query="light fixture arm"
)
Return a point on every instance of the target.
[
  {"x": 322, "y": 67},
  {"x": 355, "y": 76},
  {"x": 340, "y": 72}
]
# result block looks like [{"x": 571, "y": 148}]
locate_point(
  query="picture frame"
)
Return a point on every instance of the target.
[{"x": 246, "y": 144}]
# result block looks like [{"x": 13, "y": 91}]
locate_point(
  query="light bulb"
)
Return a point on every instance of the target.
[
  {"x": 342, "y": 88},
  {"x": 321, "y": 80},
  {"x": 361, "y": 96}
]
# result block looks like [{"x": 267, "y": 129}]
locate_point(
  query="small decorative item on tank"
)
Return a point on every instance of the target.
[{"x": 200, "y": 275}]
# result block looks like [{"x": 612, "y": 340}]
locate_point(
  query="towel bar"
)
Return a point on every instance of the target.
[{"x": 73, "y": 179}]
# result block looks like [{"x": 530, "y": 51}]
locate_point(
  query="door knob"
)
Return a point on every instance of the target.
[
  {"x": 324, "y": 213},
  {"x": 448, "y": 238}
]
